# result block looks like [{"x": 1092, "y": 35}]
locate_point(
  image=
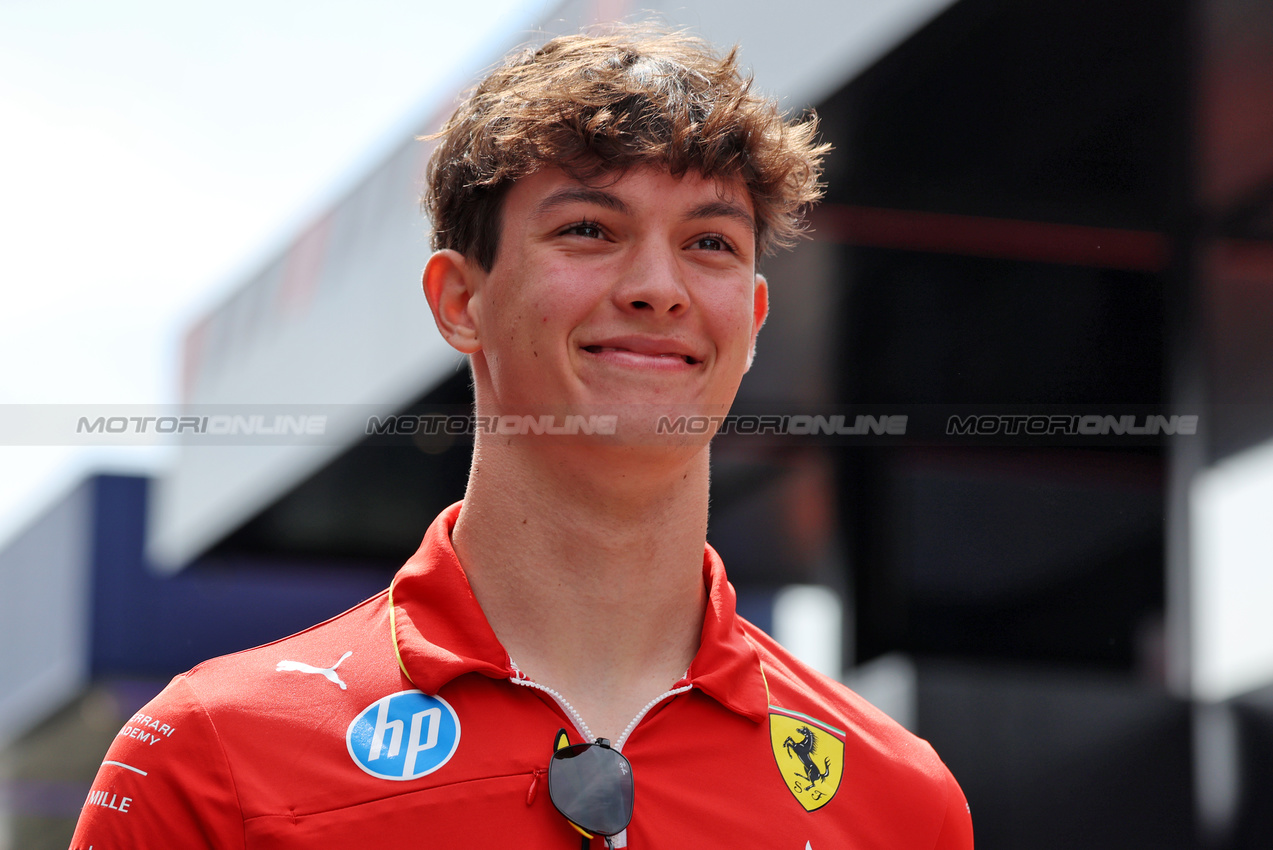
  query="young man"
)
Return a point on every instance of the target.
[{"x": 598, "y": 207}]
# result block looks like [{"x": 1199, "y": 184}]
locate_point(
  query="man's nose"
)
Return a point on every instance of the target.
[{"x": 654, "y": 282}]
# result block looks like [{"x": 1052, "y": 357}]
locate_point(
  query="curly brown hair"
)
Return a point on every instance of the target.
[{"x": 597, "y": 105}]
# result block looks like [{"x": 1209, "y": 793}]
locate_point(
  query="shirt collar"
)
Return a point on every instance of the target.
[
  {"x": 727, "y": 666},
  {"x": 431, "y": 596},
  {"x": 440, "y": 631}
]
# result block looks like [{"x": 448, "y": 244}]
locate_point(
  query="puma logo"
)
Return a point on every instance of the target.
[{"x": 328, "y": 673}]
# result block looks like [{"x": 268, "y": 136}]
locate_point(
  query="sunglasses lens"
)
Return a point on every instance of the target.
[{"x": 592, "y": 786}]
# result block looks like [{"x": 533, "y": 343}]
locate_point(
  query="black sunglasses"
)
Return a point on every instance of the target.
[{"x": 591, "y": 785}]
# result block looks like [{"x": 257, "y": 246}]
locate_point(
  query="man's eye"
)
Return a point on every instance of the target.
[
  {"x": 587, "y": 229},
  {"x": 712, "y": 242}
]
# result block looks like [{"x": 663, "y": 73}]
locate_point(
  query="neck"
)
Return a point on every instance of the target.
[{"x": 589, "y": 569}]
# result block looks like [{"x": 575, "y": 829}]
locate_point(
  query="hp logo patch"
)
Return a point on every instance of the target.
[{"x": 404, "y": 736}]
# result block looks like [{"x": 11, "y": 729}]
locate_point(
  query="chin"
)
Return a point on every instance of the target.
[{"x": 665, "y": 425}]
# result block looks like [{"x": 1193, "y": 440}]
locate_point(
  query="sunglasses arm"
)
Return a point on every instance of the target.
[{"x": 587, "y": 837}]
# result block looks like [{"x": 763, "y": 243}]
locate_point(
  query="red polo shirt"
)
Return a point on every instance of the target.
[{"x": 343, "y": 736}]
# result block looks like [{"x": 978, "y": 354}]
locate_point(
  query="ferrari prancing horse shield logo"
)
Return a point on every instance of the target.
[{"x": 810, "y": 756}]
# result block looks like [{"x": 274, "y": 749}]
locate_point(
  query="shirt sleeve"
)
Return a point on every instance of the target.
[
  {"x": 165, "y": 782},
  {"x": 956, "y": 830}
]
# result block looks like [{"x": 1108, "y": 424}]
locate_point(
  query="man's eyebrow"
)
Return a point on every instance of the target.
[
  {"x": 715, "y": 209},
  {"x": 576, "y": 194}
]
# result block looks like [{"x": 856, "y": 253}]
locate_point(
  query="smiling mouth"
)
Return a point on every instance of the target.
[{"x": 684, "y": 358}]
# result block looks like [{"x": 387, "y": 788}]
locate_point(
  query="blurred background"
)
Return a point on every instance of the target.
[{"x": 1060, "y": 209}]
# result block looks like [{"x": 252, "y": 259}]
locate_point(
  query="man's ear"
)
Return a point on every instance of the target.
[
  {"x": 760, "y": 310},
  {"x": 450, "y": 283}
]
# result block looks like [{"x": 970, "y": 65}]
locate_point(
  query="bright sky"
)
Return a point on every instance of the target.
[{"x": 154, "y": 153}]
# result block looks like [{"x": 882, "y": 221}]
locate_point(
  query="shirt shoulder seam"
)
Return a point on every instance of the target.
[{"x": 225, "y": 757}]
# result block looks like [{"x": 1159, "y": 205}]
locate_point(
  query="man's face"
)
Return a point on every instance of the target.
[{"x": 637, "y": 297}]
